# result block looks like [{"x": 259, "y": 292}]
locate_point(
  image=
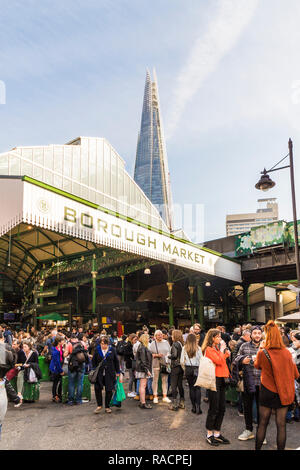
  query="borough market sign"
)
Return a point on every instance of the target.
[{"x": 34, "y": 203}]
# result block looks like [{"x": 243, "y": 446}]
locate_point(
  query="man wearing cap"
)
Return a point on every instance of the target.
[{"x": 251, "y": 378}]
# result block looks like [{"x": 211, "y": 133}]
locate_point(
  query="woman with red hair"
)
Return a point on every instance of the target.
[{"x": 278, "y": 374}]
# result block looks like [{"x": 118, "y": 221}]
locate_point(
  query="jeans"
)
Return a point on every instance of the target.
[
  {"x": 75, "y": 381},
  {"x": 149, "y": 390},
  {"x": 57, "y": 385},
  {"x": 195, "y": 392},
  {"x": 248, "y": 399},
  {"x": 176, "y": 382},
  {"x": 149, "y": 386}
]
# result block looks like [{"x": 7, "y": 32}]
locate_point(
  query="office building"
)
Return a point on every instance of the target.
[{"x": 266, "y": 213}]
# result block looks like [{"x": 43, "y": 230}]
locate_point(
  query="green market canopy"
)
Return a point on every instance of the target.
[{"x": 52, "y": 316}]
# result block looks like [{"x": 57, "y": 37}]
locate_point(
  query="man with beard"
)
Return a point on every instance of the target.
[
  {"x": 251, "y": 378},
  {"x": 197, "y": 330}
]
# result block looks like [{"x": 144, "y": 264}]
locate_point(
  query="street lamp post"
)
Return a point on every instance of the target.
[{"x": 266, "y": 183}]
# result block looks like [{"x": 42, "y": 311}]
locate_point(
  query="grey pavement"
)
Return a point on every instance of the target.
[{"x": 49, "y": 426}]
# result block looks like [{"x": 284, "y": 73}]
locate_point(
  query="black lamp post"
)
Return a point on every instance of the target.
[{"x": 266, "y": 183}]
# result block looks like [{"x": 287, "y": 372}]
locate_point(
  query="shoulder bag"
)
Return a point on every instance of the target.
[
  {"x": 31, "y": 378},
  {"x": 94, "y": 373},
  {"x": 163, "y": 368},
  {"x": 206, "y": 374}
]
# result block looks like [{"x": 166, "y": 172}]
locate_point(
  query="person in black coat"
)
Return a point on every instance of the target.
[
  {"x": 143, "y": 368},
  {"x": 130, "y": 365},
  {"x": 176, "y": 370},
  {"x": 107, "y": 374}
]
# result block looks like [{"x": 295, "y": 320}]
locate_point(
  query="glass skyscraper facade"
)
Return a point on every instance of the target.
[{"x": 151, "y": 166}]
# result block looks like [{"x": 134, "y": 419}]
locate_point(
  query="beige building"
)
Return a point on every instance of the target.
[{"x": 266, "y": 213}]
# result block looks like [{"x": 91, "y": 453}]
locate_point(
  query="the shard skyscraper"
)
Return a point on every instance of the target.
[{"x": 151, "y": 171}]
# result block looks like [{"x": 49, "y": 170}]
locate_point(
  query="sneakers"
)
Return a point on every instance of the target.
[
  {"x": 97, "y": 410},
  {"x": 212, "y": 441},
  {"x": 166, "y": 400},
  {"x": 155, "y": 400},
  {"x": 131, "y": 394},
  {"x": 137, "y": 397},
  {"x": 246, "y": 435},
  {"x": 221, "y": 439}
]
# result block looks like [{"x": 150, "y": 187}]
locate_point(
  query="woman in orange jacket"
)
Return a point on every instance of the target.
[
  {"x": 215, "y": 349},
  {"x": 278, "y": 375}
]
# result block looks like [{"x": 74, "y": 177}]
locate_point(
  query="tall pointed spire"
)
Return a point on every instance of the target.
[{"x": 151, "y": 171}]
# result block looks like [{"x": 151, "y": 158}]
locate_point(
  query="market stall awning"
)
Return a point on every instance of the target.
[
  {"x": 292, "y": 317},
  {"x": 52, "y": 316}
]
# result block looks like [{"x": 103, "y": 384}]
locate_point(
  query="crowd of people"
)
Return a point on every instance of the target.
[{"x": 261, "y": 364}]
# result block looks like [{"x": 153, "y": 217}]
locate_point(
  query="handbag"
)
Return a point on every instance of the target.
[
  {"x": 206, "y": 374},
  {"x": 240, "y": 386},
  {"x": 32, "y": 378},
  {"x": 163, "y": 368},
  {"x": 92, "y": 376},
  {"x": 195, "y": 368}
]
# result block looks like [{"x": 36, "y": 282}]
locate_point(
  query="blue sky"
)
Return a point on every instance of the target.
[{"x": 229, "y": 83}]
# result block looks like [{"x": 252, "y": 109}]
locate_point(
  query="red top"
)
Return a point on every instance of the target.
[
  {"x": 284, "y": 370},
  {"x": 219, "y": 359}
]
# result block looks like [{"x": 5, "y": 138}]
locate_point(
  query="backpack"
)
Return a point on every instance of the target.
[
  {"x": 121, "y": 346},
  {"x": 77, "y": 358}
]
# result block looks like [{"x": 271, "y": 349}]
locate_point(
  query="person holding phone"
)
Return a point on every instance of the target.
[
  {"x": 251, "y": 378},
  {"x": 215, "y": 349}
]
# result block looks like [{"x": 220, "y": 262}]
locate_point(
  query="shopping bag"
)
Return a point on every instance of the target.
[
  {"x": 206, "y": 374},
  {"x": 120, "y": 394},
  {"x": 114, "y": 401}
]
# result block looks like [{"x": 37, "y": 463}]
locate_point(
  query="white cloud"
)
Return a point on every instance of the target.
[{"x": 231, "y": 19}]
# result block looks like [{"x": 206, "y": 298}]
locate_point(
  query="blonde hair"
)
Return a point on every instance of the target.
[{"x": 144, "y": 339}]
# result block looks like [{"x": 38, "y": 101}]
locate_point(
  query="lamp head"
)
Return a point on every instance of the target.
[{"x": 265, "y": 183}]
